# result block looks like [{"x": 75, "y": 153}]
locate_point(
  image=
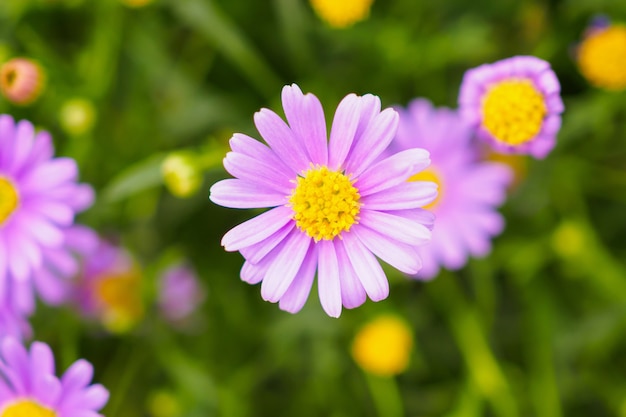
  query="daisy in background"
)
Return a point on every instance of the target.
[
  {"x": 109, "y": 287},
  {"x": 469, "y": 190},
  {"x": 180, "y": 293},
  {"x": 601, "y": 55},
  {"x": 30, "y": 387},
  {"x": 514, "y": 104},
  {"x": 39, "y": 197},
  {"x": 334, "y": 205}
]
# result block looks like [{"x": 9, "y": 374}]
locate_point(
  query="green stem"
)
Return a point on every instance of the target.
[
  {"x": 386, "y": 395},
  {"x": 472, "y": 342}
]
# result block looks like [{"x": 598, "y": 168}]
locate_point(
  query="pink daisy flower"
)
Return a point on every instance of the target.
[
  {"x": 334, "y": 205},
  {"x": 39, "y": 197},
  {"x": 29, "y": 386},
  {"x": 515, "y": 104},
  {"x": 469, "y": 191},
  {"x": 109, "y": 287},
  {"x": 179, "y": 293}
]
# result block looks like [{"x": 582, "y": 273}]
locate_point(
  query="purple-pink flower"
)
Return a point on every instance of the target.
[
  {"x": 469, "y": 190},
  {"x": 109, "y": 287},
  {"x": 39, "y": 197},
  {"x": 515, "y": 104},
  {"x": 29, "y": 385},
  {"x": 179, "y": 293},
  {"x": 335, "y": 205}
]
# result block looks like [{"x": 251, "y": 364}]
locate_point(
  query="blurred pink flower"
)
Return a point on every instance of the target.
[
  {"x": 469, "y": 191},
  {"x": 21, "y": 80},
  {"x": 179, "y": 293},
  {"x": 39, "y": 197}
]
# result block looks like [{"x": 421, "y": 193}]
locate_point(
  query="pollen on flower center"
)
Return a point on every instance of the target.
[
  {"x": 430, "y": 174},
  {"x": 9, "y": 199},
  {"x": 325, "y": 203},
  {"x": 513, "y": 111},
  {"x": 27, "y": 408}
]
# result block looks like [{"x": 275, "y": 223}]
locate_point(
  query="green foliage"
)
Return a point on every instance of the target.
[{"x": 535, "y": 329}]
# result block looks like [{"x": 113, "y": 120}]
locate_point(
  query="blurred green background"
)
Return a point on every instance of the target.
[{"x": 538, "y": 328}]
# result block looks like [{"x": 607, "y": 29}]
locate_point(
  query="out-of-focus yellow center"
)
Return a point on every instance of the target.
[
  {"x": 27, "y": 408},
  {"x": 602, "y": 58},
  {"x": 383, "y": 346},
  {"x": 342, "y": 13},
  {"x": 9, "y": 199},
  {"x": 325, "y": 203},
  {"x": 119, "y": 297},
  {"x": 430, "y": 174},
  {"x": 513, "y": 111}
]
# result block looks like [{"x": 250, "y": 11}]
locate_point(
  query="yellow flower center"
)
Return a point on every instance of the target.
[
  {"x": 325, "y": 203},
  {"x": 430, "y": 174},
  {"x": 383, "y": 346},
  {"x": 513, "y": 111},
  {"x": 27, "y": 408},
  {"x": 9, "y": 199},
  {"x": 602, "y": 58},
  {"x": 120, "y": 300},
  {"x": 342, "y": 13}
]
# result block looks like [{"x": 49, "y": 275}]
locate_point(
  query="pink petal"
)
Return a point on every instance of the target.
[
  {"x": 306, "y": 119},
  {"x": 366, "y": 267},
  {"x": 283, "y": 270},
  {"x": 281, "y": 139},
  {"x": 236, "y": 193},
  {"x": 343, "y": 130},
  {"x": 256, "y": 229},
  {"x": 328, "y": 279},
  {"x": 392, "y": 171}
]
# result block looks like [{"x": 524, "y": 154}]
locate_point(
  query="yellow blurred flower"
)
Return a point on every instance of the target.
[
  {"x": 136, "y": 3},
  {"x": 77, "y": 116},
  {"x": 21, "y": 80},
  {"x": 181, "y": 174},
  {"x": 383, "y": 346},
  {"x": 342, "y": 13},
  {"x": 602, "y": 57}
]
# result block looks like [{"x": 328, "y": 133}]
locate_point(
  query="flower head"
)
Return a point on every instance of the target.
[
  {"x": 335, "y": 204},
  {"x": 109, "y": 287},
  {"x": 383, "y": 346},
  {"x": 514, "y": 104},
  {"x": 77, "y": 116},
  {"x": 181, "y": 174},
  {"x": 39, "y": 197},
  {"x": 601, "y": 55},
  {"x": 30, "y": 387},
  {"x": 341, "y": 14},
  {"x": 469, "y": 190},
  {"x": 180, "y": 293},
  {"x": 21, "y": 80}
]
